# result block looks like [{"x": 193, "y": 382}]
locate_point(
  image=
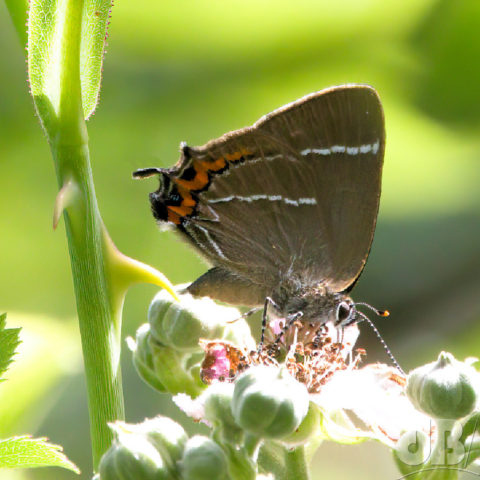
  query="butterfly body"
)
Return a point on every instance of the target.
[
  {"x": 317, "y": 303},
  {"x": 285, "y": 209}
]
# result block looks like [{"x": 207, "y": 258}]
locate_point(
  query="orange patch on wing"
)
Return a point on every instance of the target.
[
  {"x": 188, "y": 201},
  {"x": 214, "y": 166},
  {"x": 173, "y": 217},
  {"x": 185, "y": 194},
  {"x": 234, "y": 157},
  {"x": 196, "y": 183},
  {"x": 182, "y": 210}
]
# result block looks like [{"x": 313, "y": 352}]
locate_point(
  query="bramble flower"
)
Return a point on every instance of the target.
[{"x": 306, "y": 384}]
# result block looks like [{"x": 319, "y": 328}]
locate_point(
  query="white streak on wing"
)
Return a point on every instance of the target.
[
  {"x": 318, "y": 151},
  {"x": 349, "y": 150},
  {"x": 212, "y": 242},
  {"x": 268, "y": 158},
  {"x": 213, "y": 213},
  {"x": 256, "y": 197},
  {"x": 307, "y": 201},
  {"x": 270, "y": 198},
  {"x": 221, "y": 200},
  {"x": 365, "y": 148}
]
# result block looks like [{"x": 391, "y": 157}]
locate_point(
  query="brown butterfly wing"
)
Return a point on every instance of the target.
[{"x": 295, "y": 194}]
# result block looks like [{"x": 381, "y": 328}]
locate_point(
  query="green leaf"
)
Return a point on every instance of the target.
[
  {"x": 51, "y": 48},
  {"x": 92, "y": 47},
  {"x": 26, "y": 452},
  {"x": 470, "y": 438},
  {"x": 37, "y": 369},
  {"x": 9, "y": 340},
  {"x": 471, "y": 426}
]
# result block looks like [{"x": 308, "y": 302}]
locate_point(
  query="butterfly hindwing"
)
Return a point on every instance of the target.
[{"x": 295, "y": 194}]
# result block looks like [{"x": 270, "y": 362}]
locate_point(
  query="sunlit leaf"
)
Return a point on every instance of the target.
[
  {"x": 50, "y": 50},
  {"x": 26, "y": 452},
  {"x": 9, "y": 340},
  {"x": 92, "y": 47},
  {"x": 37, "y": 371}
]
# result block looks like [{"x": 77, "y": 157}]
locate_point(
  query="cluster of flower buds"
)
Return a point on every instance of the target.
[
  {"x": 240, "y": 415},
  {"x": 261, "y": 407},
  {"x": 159, "y": 449},
  {"x": 145, "y": 451},
  {"x": 167, "y": 352}
]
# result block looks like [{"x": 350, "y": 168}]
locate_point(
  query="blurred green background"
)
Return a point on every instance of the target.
[{"x": 192, "y": 70}]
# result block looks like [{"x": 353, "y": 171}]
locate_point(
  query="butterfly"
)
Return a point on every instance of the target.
[{"x": 284, "y": 210}]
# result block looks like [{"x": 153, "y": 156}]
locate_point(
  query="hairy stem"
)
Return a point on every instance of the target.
[
  {"x": 99, "y": 320},
  {"x": 296, "y": 464}
]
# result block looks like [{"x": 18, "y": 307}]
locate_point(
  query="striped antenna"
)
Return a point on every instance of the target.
[{"x": 382, "y": 341}]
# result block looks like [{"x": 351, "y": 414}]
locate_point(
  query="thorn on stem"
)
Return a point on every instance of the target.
[{"x": 64, "y": 199}]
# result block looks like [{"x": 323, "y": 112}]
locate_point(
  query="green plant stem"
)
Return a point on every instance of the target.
[
  {"x": 271, "y": 458},
  {"x": 444, "y": 459},
  {"x": 252, "y": 444},
  {"x": 99, "y": 319},
  {"x": 296, "y": 464},
  {"x": 99, "y": 324}
]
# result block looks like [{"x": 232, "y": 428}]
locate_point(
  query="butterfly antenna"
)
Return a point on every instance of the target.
[
  {"x": 382, "y": 341},
  {"x": 146, "y": 172},
  {"x": 380, "y": 313}
]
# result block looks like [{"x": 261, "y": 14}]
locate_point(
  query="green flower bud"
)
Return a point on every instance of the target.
[
  {"x": 165, "y": 368},
  {"x": 445, "y": 389},
  {"x": 167, "y": 436},
  {"x": 203, "y": 459},
  {"x": 217, "y": 405},
  {"x": 133, "y": 457},
  {"x": 180, "y": 325},
  {"x": 144, "y": 451},
  {"x": 143, "y": 358},
  {"x": 308, "y": 429},
  {"x": 268, "y": 402}
]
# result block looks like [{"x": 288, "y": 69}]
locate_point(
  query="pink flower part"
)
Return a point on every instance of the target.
[{"x": 216, "y": 366}]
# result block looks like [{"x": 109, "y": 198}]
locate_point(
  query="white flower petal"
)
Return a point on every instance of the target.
[{"x": 374, "y": 395}]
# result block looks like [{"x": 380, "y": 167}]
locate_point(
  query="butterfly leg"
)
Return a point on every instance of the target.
[
  {"x": 268, "y": 300},
  {"x": 290, "y": 321},
  {"x": 246, "y": 314}
]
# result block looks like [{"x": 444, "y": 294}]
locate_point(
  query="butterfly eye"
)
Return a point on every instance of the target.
[{"x": 343, "y": 312}]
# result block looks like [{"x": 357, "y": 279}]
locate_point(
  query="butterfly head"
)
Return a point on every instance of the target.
[{"x": 345, "y": 313}]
